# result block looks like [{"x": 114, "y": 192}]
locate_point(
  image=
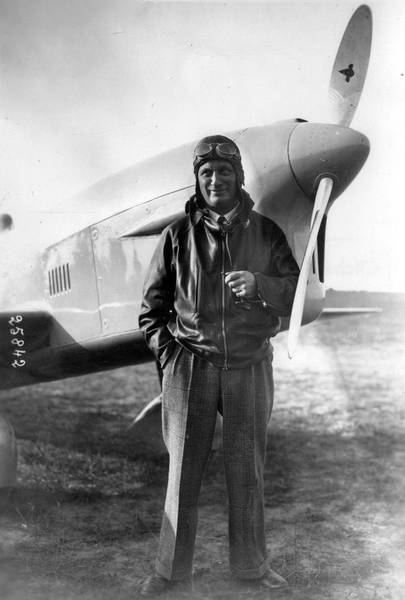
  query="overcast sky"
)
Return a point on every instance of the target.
[{"x": 92, "y": 86}]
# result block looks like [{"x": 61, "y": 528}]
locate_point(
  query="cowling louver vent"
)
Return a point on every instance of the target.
[{"x": 59, "y": 280}]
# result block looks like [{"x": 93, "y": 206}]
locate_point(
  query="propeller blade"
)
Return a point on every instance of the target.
[
  {"x": 350, "y": 67},
  {"x": 321, "y": 202}
]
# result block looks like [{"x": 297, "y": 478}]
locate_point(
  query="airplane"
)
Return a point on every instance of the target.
[{"x": 74, "y": 310}]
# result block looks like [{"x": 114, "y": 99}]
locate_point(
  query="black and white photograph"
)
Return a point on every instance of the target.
[{"x": 202, "y": 300}]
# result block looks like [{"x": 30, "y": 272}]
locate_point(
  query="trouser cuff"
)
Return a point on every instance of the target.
[
  {"x": 168, "y": 574},
  {"x": 250, "y": 573}
]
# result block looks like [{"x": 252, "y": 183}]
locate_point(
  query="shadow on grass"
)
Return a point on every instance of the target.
[{"x": 319, "y": 491}]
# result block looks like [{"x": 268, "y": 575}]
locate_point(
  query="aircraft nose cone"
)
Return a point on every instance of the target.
[{"x": 317, "y": 150}]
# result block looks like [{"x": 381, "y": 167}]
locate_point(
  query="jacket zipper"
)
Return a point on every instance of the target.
[{"x": 223, "y": 248}]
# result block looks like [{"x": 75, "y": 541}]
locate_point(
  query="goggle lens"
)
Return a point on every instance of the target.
[{"x": 224, "y": 149}]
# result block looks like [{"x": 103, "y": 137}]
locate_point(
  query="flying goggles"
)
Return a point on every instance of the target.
[{"x": 222, "y": 149}]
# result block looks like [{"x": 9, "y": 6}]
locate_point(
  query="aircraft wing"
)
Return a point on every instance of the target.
[{"x": 331, "y": 313}]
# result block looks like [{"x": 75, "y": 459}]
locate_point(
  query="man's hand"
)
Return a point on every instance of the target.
[{"x": 242, "y": 283}]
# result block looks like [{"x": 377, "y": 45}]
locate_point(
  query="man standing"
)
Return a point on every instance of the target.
[{"x": 218, "y": 282}]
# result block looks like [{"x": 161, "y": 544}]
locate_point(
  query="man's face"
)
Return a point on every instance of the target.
[{"x": 218, "y": 185}]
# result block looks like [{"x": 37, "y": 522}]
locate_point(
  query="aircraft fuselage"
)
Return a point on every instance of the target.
[{"x": 82, "y": 314}]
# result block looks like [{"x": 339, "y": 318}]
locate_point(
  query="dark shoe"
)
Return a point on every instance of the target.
[
  {"x": 272, "y": 580},
  {"x": 155, "y": 584}
]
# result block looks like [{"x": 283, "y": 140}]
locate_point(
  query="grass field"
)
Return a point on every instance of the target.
[{"x": 83, "y": 522}]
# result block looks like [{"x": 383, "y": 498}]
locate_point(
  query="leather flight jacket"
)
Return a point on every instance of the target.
[{"x": 187, "y": 301}]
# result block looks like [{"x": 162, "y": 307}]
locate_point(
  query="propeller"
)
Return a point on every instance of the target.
[
  {"x": 350, "y": 67},
  {"x": 321, "y": 202},
  {"x": 345, "y": 87}
]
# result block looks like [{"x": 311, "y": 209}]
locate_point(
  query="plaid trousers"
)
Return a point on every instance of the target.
[{"x": 193, "y": 392}]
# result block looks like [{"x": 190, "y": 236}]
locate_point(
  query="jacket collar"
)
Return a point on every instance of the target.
[{"x": 196, "y": 209}]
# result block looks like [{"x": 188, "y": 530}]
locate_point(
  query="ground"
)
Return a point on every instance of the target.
[{"x": 83, "y": 522}]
